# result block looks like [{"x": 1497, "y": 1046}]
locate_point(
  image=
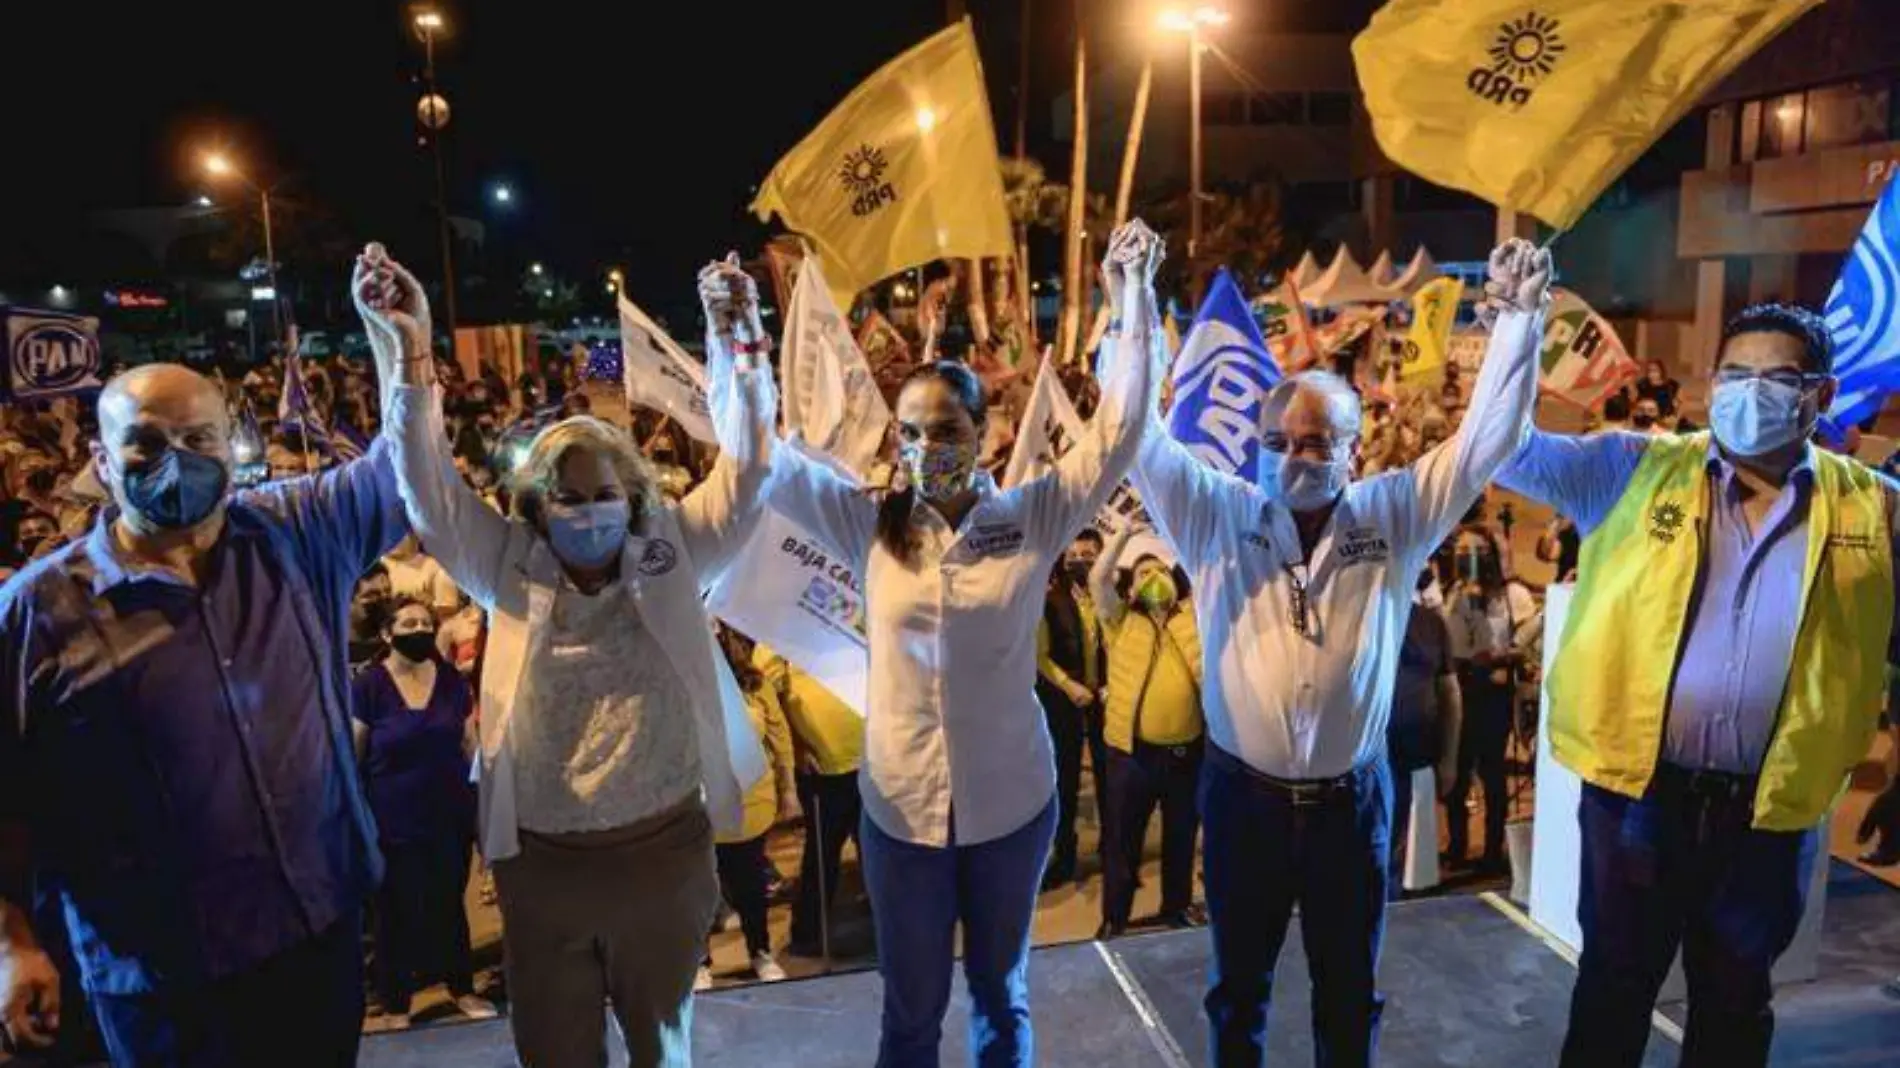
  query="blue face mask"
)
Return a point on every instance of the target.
[
  {"x": 588, "y": 535},
  {"x": 1755, "y": 416},
  {"x": 1309, "y": 485},
  {"x": 1266, "y": 473},
  {"x": 180, "y": 489}
]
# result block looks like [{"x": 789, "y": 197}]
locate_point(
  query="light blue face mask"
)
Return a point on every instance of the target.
[
  {"x": 1756, "y": 416},
  {"x": 588, "y": 535},
  {"x": 1309, "y": 485}
]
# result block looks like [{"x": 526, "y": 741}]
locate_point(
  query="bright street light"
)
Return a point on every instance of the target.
[
  {"x": 615, "y": 276},
  {"x": 534, "y": 268},
  {"x": 503, "y": 195},
  {"x": 1175, "y": 20},
  {"x": 429, "y": 21},
  {"x": 1193, "y": 23},
  {"x": 218, "y": 165},
  {"x": 203, "y": 201}
]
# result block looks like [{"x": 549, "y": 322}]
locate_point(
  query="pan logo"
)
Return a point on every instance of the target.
[
  {"x": 1523, "y": 53},
  {"x": 863, "y": 178}
]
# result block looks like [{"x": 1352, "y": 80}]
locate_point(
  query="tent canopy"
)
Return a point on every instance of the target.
[
  {"x": 1421, "y": 270},
  {"x": 1344, "y": 282}
]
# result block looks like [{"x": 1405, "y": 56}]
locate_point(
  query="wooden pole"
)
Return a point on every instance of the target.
[
  {"x": 1131, "y": 151},
  {"x": 1072, "y": 280}
]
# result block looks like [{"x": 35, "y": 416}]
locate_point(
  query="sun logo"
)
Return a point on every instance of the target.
[
  {"x": 1665, "y": 521},
  {"x": 1524, "y": 52},
  {"x": 862, "y": 176}
]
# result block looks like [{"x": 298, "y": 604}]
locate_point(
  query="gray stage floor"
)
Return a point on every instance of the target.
[{"x": 1466, "y": 986}]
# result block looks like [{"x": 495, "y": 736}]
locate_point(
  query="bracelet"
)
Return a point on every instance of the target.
[{"x": 761, "y": 347}]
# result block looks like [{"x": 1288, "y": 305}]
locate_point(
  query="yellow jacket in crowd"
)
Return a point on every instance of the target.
[
  {"x": 1154, "y": 657},
  {"x": 827, "y": 733},
  {"x": 775, "y": 737}
]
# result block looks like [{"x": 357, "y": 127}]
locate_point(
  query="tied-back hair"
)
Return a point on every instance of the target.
[
  {"x": 893, "y": 513},
  {"x": 540, "y": 470}
]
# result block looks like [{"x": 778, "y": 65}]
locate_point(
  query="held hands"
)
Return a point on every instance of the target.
[
  {"x": 1519, "y": 280},
  {"x": 395, "y": 314},
  {"x": 29, "y": 998},
  {"x": 1133, "y": 257},
  {"x": 730, "y": 298}
]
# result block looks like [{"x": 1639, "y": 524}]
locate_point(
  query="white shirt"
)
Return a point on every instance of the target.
[
  {"x": 1315, "y": 706},
  {"x": 953, "y": 722},
  {"x": 422, "y": 578},
  {"x": 1495, "y": 627}
]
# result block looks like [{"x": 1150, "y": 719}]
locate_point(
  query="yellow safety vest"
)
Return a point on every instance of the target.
[
  {"x": 1609, "y": 687},
  {"x": 1135, "y": 658}
]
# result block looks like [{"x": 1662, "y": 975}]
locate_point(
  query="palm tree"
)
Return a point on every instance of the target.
[{"x": 1244, "y": 231}]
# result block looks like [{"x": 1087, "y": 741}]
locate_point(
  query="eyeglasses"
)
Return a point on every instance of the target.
[
  {"x": 1730, "y": 376},
  {"x": 1312, "y": 445}
]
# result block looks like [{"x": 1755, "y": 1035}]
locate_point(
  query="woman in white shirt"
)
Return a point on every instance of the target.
[
  {"x": 1490, "y": 618},
  {"x": 610, "y": 723},
  {"x": 958, "y": 778}
]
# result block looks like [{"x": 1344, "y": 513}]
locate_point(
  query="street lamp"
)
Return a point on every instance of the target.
[
  {"x": 503, "y": 194},
  {"x": 433, "y": 113},
  {"x": 1194, "y": 23},
  {"x": 534, "y": 269},
  {"x": 219, "y": 166}
]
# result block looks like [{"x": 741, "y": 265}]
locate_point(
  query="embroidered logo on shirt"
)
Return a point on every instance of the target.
[
  {"x": 1861, "y": 542},
  {"x": 1665, "y": 521},
  {"x": 995, "y": 539},
  {"x": 659, "y": 557},
  {"x": 1364, "y": 543}
]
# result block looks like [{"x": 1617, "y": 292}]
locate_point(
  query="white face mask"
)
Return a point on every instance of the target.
[{"x": 1309, "y": 485}]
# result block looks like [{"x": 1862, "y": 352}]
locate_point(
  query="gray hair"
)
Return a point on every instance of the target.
[
  {"x": 1342, "y": 402},
  {"x": 540, "y": 470}
]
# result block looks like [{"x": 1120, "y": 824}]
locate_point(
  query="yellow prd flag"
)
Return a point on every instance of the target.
[
  {"x": 1537, "y": 105},
  {"x": 903, "y": 172},
  {"x": 1434, "y": 310}
]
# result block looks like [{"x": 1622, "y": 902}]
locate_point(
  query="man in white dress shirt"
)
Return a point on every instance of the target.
[{"x": 1303, "y": 585}]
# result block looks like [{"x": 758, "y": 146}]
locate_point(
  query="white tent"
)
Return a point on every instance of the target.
[
  {"x": 1381, "y": 273},
  {"x": 1420, "y": 271},
  {"x": 1344, "y": 282},
  {"x": 1306, "y": 271}
]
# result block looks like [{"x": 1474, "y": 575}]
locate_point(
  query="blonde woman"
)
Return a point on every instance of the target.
[{"x": 613, "y": 738}]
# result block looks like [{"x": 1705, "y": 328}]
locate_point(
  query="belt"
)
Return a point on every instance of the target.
[
  {"x": 1300, "y": 792},
  {"x": 1719, "y": 785}
]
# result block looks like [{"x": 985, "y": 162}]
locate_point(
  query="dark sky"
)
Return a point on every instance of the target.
[{"x": 631, "y": 131}]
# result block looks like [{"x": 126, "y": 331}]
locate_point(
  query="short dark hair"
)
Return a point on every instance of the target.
[
  {"x": 1803, "y": 324},
  {"x": 1617, "y": 408},
  {"x": 1090, "y": 535}
]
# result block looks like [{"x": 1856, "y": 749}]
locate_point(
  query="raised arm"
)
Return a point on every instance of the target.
[
  {"x": 719, "y": 514},
  {"x": 468, "y": 538},
  {"x": 1109, "y": 606},
  {"x": 1066, "y": 498},
  {"x": 1451, "y": 477},
  {"x": 1581, "y": 477}
]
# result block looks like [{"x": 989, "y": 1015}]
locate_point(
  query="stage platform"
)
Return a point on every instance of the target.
[{"x": 1468, "y": 983}]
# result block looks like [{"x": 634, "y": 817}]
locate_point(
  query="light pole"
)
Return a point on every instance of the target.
[
  {"x": 432, "y": 111},
  {"x": 218, "y": 165},
  {"x": 1194, "y": 23}
]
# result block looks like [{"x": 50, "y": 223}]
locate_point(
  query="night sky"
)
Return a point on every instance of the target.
[{"x": 631, "y": 132}]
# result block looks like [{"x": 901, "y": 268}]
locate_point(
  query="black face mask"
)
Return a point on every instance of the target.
[
  {"x": 177, "y": 490},
  {"x": 417, "y": 645},
  {"x": 1642, "y": 422},
  {"x": 1078, "y": 570},
  {"x": 370, "y": 614}
]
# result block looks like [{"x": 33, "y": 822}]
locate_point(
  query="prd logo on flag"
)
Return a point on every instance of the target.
[
  {"x": 1523, "y": 53},
  {"x": 863, "y": 177}
]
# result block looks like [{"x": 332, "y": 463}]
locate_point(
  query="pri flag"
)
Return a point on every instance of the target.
[
  {"x": 658, "y": 374},
  {"x": 1863, "y": 315},
  {"x": 830, "y": 396},
  {"x": 1222, "y": 374},
  {"x": 1536, "y": 107},
  {"x": 1434, "y": 311},
  {"x": 1583, "y": 360},
  {"x": 904, "y": 171}
]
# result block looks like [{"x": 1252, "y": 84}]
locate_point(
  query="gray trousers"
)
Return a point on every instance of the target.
[{"x": 614, "y": 916}]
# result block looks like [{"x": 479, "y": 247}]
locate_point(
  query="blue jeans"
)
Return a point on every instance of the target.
[
  {"x": 1265, "y": 850},
  {"x": 302, "y": 1008},
  {"x": 918, "y": 895},
  {"x": 1682, "y": 867}
]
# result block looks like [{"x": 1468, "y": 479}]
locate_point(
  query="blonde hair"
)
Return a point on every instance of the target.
[{"x": 540, "y": 471}]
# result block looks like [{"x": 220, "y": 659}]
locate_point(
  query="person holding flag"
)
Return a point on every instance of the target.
[
  {"x": 1304, "y": 581},
  {"x": 958, "y": 780},
  {"x": 614, "y": 739},
  {"x": 1721, "y": 673}
]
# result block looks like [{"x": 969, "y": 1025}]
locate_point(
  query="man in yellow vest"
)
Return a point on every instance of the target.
[{"x": 1721, "y": 672}]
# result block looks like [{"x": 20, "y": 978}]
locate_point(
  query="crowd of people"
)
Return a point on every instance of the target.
[{"x": 452, "y": 617}]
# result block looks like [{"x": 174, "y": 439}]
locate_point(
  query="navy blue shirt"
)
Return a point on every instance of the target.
[
  {"x": 182, "y": 755},
  {"x": 414, "y": 767}
]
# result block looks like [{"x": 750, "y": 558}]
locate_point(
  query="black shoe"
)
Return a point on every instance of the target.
[
  {"x": 1186, "y": 919},
  {"x": 1110, "y": 930}
]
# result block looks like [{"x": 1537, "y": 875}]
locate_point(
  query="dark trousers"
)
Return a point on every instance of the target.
[
  {"x": 1485, "y": 736},
  {"x": 302, "y": 1008},
  {"x": 919, "y": 895},
  {"x": 742, "y": 884},
  {"x": 1682, "y": 868},
  {"x": 831, "y": 806},
  {"x": 1164, "y": 776},
  {"x": 1265, "y": 850},
  {"x": 1070, "y": 729},
  {"x": 421, "y": 926}
]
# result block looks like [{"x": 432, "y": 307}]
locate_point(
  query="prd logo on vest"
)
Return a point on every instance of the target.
[
  {"x": 863, "y": 178},
  {"x": 1522, "y": 54}
]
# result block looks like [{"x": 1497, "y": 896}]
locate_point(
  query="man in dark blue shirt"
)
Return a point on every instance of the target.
[{"x": 176, "y": 772}]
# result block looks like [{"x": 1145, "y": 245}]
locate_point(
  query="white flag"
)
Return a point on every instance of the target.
[
  {"x": 1050, "y": 427},
  {"x": 830, "y": 395},
  {"x": 660, "y": 375}
]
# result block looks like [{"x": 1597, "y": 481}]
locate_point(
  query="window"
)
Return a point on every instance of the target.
[
  {"x": 1276, "y": 109},
  {"x": 1222, "y": 107},
  {"x": 1851, "y": 113},
  {"x": 1748, "y": 146},
  {"x": 1329, "y": 109},
  {"x": 1782, "y": 119}
]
